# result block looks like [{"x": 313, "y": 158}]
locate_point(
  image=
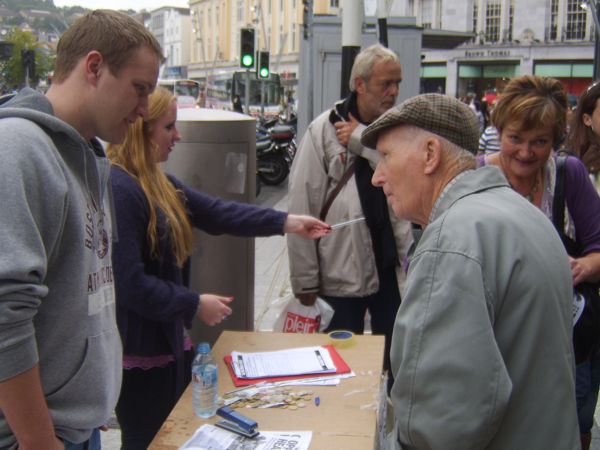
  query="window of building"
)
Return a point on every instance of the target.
[
  {"x": 334, "y": 3},
  {"x": 240, "y": 10},
  {"x": 475, "y": 11},
  {"x": 553, "y": 31},
  {"x": 426, "y": 13},
  {"x": 511, "y": 16},
  {"x": 576, "y": 20},
  {"x": 493, "y": 11}
]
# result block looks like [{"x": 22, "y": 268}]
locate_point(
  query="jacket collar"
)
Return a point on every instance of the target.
[{"x": 470, "y": 182}]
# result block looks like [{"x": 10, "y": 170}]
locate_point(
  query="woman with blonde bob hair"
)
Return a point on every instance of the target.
[
  {"x": 530, "y": 116},
  {"x": 155, "y": 214}
]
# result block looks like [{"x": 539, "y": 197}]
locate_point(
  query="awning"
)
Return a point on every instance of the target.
[
  {"x": 564, "y": 70},
  {"x": 433, "y": 71},
  {"x": 488, "y": 70}
]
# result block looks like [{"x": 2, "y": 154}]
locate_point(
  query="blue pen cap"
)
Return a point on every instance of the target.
[{"x": 203, "y": 347}]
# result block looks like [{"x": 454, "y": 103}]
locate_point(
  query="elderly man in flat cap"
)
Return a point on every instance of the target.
[{"x": 481, "y": 349}]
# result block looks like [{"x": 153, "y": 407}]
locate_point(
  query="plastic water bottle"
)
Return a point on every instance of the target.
[{"x": 204, "y": 382}]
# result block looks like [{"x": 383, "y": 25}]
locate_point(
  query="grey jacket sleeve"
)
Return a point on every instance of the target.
[
  {"x": 355, "y": 146},
  {"x": 307, "y": 192},
  {"x": 33, "y": 193},
  {"x": 452, "y": 385}
]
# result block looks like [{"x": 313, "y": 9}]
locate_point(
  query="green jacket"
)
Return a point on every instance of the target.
[{"x": 482, "y": 345}]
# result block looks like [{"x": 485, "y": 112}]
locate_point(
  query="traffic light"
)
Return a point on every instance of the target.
[
  {"x": 247, "y": 48},
  {"x": 263, "y": 65}
]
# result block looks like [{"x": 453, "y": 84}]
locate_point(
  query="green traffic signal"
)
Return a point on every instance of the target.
[
  {"x": 263, "y": 65},
  {"x": 247, "y": 48},
  {"x": 247, "y": 61}
]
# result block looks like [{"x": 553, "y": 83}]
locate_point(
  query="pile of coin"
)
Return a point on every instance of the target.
[{"x": 271, "y": 398}]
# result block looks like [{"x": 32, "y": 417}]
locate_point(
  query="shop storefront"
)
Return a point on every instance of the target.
[
  {"x": 574, "y": 75},
  {"x": 433, "y": 78},
  {"x": 485, "y": 79},
  {"x": 484, "y": 70}
]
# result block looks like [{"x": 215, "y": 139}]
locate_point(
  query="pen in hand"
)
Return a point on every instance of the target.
[{"x": 346, "y": 223}]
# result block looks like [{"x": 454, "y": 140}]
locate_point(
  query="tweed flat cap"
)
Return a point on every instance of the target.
[{"x": 440, "y": 114}]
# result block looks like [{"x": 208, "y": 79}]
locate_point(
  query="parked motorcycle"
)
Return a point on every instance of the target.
[{"x": 275, "y": 151}]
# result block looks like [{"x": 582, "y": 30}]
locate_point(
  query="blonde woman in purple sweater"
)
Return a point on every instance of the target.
[{"x": 155, "y": 215}]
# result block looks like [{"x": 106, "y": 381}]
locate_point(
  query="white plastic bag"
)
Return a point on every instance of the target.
[{"x": 298, "y": 318}]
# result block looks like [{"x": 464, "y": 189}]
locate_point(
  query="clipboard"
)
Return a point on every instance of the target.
[{"x": 340, "y": 365}]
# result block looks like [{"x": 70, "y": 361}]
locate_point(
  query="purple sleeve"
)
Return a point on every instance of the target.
[
  {"x": 583, "y": 204},
  {"x": 148, "y": 295},
  {"x": 217, "y": 216}
]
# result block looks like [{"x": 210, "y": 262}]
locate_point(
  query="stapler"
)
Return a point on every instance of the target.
[{"x": 236, "y": 422}]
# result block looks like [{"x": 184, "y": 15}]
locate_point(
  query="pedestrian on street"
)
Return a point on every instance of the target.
[
  {"x": 530, "y": 115},
  {"x": 481, "y": 351},
  {"x": 60, "y": 352},
  {"x": 356, "y": 268},
  {"x": 155, "y": 215}
]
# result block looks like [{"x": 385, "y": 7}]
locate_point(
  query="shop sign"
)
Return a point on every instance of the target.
[{"x": 487, "y": 53}]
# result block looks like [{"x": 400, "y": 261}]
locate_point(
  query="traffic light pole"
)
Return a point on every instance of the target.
[
  {"x": 352, "y": 19},
  {"x": 262, "y": 97},
  {"x": 247, "y": 92}
]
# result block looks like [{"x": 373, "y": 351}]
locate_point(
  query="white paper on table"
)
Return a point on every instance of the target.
[
  {"x": 209, "y": 437},
  {"x": 294, "y": 361}
]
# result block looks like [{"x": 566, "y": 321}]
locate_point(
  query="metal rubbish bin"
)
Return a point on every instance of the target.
[{"x": 217, "y": 155}]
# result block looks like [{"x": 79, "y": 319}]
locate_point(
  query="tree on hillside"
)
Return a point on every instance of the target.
[{"x": 13, "y": 74}]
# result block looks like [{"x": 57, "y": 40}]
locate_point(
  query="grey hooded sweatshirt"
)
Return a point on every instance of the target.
[{"x": 57, "y": 302}]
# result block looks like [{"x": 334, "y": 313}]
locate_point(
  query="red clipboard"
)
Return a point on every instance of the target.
[{"x": 340, "y": 365}]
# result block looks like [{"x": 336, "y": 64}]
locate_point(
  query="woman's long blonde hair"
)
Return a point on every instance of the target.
[{"x": 137, "y": 156}]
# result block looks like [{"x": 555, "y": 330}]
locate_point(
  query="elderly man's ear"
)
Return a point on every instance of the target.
[{"x": 432, "y": 155}]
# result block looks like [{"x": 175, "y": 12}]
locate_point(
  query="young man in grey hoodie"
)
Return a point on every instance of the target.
[{"x": 60, "y": 352}]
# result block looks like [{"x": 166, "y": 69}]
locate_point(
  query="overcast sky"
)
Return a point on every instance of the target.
[{"x": 122, "y": 4}]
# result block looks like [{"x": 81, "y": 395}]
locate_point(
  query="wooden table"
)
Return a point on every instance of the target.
[{"x": 345, "y": 418}]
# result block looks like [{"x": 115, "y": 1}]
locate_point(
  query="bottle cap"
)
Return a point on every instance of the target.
[{"x": 203, "y": 347}]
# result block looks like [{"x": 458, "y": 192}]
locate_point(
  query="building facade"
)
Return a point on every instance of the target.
[
  {"x": 216, "y": 28},
  {"x": 172, "y": 28},
  {"x": 510, "y": 37}
]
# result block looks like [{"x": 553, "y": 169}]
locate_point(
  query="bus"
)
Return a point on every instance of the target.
[
  {"x": 221, "y": 89},
  {"x": 184, "y": 90}
]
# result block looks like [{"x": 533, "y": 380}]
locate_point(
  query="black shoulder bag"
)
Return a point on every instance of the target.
[{"x": 586, "y": 332}]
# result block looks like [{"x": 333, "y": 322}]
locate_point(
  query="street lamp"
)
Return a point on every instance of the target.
[{"x": 592, "y": 5}]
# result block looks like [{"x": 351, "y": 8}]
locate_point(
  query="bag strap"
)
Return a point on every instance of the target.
[
  {"x": 347, "y": 174},
  {"x": 558, "y": 204}
]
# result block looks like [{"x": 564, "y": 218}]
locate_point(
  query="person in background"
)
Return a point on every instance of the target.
[
  {"x": 237, "y": 104},
  {"x": 530, "y": 116},
  {"x": 155, "y": 215},
  {"x": 583, "y": 140},
  {"x": 356, "y": 268},
  {"x": 584, "y": 136},
  {"x": 481, "y": 351},
  {"x": 489, "y": 141},
  {"x": 60, "y": 352}
]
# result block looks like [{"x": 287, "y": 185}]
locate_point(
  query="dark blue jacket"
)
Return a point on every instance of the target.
[{"x": 153, "y": 303}]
